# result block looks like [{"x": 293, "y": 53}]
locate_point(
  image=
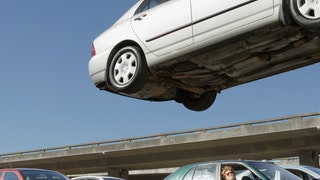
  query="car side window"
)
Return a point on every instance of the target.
[
  {"x": 10, "y": 176},
  {"x": 148, "y": 4},
  {"x": 143, "y": 7},
  {"x": 205, "y": 172},
  {"x": 297, "y": 173},
  {"x": 301, "y": 174},
  {"x": 241, "y": 171},
  {"x": 154, "y": 3}
]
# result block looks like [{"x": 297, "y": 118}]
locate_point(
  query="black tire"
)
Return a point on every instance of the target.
[
  {"x": 127, "y": 71},
  {"x": 196, "y": 102},
  {"x": 306, "y": 14}
]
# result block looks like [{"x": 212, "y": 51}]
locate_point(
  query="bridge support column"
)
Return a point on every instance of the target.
[
  {"x": 309, "y": 158},
  {"x": 121, "y": 173}
]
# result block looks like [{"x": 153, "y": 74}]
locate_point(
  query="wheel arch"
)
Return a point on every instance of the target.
[
  {"x": 285, "y": 16},
  {"x": 124, "y": 44}
]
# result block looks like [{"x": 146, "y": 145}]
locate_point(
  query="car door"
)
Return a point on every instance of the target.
[
  {"x": 163, "y": 26},
  {"x": 212, "y": 18}
]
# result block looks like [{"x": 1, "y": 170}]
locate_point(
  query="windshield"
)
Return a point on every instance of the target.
[
  {"x": 42, "y": 175},
  {"x": 273, "y": 172},
  {"x": 178, "y": 174}
]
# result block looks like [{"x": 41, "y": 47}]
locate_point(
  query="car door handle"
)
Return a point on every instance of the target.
[{"x": 139, "y": 18}]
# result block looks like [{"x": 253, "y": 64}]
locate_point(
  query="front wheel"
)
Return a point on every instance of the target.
[
  {"x": 128, "y": 71},
  {"x": 197, "y": 102},
  {"x": 306, "y": 13}
]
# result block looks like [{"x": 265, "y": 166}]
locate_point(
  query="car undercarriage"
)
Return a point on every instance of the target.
[{"x": 259, "y": 54}]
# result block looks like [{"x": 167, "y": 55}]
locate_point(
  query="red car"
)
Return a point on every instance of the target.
[{"x": 30, "y": 174}]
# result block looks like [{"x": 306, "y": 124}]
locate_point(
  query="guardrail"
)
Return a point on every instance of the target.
[{"x": 177, "y": 133}]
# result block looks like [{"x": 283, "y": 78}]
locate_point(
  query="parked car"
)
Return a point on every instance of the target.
[
  {"x": 303, "y": 171},
  {"x": 154, "y": 53},
  {"x": 30, "y": 174},
  {"x": 244, "y": 170},
  {"x": 95, "y": 178}
]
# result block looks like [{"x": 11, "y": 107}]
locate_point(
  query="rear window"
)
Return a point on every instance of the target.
[
  {"x": 10, "y": 176},
  {"x": 42, "y": 175}
]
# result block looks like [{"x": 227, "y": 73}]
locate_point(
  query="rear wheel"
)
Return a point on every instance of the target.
[
  {"x": 306, "y": 13},
  {"x": 197, "y": 102},
  {"x": 128, "y": 71}
]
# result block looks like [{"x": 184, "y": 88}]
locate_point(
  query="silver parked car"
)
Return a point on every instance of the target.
[
  {"x": 303, "y": 171},
  {"x": 190, "y": 50}
]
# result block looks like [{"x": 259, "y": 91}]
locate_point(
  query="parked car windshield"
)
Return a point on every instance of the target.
[
  {"x": 272, "y": 171},
  {"x": 42, "y": 175},
  {"x": 178, "y": 174}
]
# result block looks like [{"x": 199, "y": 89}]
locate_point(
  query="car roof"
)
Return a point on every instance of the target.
[
  {"x": 292, "y": 165},
  {"x": 295, "y": 166},
  {"x": 18, "y": 169},
  {"x": 222, "y": 161}
]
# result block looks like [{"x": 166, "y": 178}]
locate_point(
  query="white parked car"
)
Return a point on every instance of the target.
[
  {"x": 190, "y": 50},
  {"x": 95, "y": 177}
]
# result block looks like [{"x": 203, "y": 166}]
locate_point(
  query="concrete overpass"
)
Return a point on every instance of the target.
[{"x": 292, "y": 136}]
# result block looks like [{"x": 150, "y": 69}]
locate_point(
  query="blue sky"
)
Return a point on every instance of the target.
[{"x": 47, "y": 98}]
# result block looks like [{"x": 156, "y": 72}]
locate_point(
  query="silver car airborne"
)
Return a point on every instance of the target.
[{"x": 190, "y": 50}]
